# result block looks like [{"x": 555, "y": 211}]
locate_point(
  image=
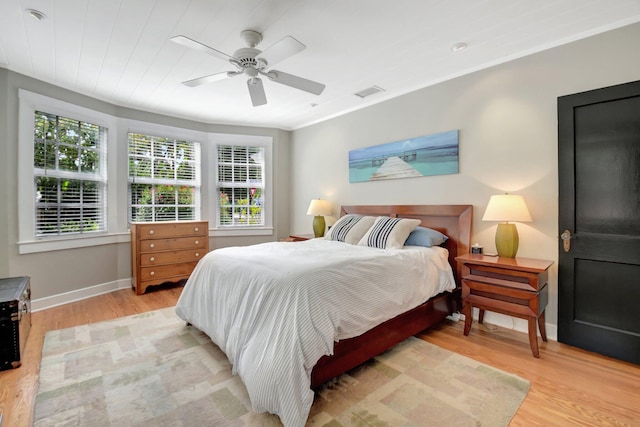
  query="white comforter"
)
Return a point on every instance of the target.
[{"x": 276, "y": 308}]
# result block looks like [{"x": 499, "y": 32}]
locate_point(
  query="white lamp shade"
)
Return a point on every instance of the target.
[
  {"x": 507, "y": 208},
  {"x": 319, "y": 207}
]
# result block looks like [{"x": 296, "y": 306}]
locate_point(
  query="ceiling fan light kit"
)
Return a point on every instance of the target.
[{"x": 254, "y": 63}]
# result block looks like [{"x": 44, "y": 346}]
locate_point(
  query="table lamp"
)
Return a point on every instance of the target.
[
  {"x": 507, "y": 208},
  {"x": 319, "y": 208}
]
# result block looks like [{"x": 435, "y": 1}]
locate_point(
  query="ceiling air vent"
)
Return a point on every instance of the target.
[{"x": 369, "y": 91}]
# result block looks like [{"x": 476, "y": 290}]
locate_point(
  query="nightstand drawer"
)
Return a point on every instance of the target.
[
  {"x": 525, "y": 280},
  {"x": 505, "y": 300},
  {"x": 472, "y": 287}
]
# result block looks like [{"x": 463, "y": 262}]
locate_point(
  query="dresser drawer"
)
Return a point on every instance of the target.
[
  {"x": 163, "y": 230},
  {"x": 158, "y": 245},
  {"x": 170, "y": 257},
  {"x": 167, "y": 271}
]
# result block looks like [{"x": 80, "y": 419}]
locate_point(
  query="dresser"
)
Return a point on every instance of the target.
[{"x": 166, "y": 251}]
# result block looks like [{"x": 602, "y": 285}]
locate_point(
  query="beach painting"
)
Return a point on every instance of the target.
[{"x": 435, "y": 154}]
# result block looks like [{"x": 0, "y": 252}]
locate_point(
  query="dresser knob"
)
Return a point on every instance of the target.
[
  {"x": 153, "y": 273},
  {"x": 150, "y": 231},
  {"x": 152, "y": 245},
  {"x": 196, "y": 229},
  {"x": 197, "y": 242},
  {"x": 197, "y": 254},
  {"x": 152, "y": 259}
]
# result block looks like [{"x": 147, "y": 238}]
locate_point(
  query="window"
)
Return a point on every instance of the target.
[
  {"x": 164, "y": 179},
  {"x": 240, "y": 185},
  {"x": 69, "y": 176},
  {"x": 72, "y": 192}
]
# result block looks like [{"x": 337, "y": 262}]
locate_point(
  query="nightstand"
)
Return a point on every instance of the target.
[
  {"x": 512, "y": 286},
  {"x": 299, "y": 237}
]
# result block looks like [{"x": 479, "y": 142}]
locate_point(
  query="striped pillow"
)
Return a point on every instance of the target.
[
  {"x": 350, "y": 228},
  {"x": 389, "y": 233}
]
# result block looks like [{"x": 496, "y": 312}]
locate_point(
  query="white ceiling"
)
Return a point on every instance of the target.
[{"x": 119, "y": 50}]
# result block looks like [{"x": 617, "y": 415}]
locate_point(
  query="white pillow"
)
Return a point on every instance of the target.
[
  {"x": 350, "y": 228},
  {"x": 389, "y": 233}
]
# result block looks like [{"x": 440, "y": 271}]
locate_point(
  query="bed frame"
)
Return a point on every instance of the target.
[{"x": 452, "y": 220}]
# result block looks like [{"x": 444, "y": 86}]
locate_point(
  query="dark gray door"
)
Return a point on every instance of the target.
[{"x": 599, "y": 201}]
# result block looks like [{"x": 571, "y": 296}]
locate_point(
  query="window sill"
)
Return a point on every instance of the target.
[
  {"x": 61, "y": 243},
  {"x": 241, "y": 231}
]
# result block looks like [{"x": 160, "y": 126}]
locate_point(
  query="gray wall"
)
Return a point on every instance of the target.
[
  {"x": 507, "y": 121},
  {"x": 60, "y": 271}
]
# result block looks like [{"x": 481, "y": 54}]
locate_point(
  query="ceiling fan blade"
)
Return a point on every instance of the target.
[
  {"x": 296, "y": 82},
  {"x": 209, "y": 79},
  {"x": 192, "y": 44},
  {"x": 256, "y": 90},
  {"x": 281, "y": 50}
]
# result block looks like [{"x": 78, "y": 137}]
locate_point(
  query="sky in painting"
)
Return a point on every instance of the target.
[{"x": 432, "y": 141}]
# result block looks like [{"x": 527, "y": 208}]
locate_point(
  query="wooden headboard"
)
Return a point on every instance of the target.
[{"x": 451, "y": 220}]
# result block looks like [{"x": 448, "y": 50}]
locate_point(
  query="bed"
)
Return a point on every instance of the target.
[{"x": 295, "y": 320}]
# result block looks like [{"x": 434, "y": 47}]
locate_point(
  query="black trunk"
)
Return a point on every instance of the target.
[{"x": 15, "y": 320}]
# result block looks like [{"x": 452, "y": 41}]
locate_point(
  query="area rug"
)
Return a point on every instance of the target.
[{"x": 153, "y": 370}]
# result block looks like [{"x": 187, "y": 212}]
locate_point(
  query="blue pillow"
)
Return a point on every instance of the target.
[{"x": 423, "y": 236}]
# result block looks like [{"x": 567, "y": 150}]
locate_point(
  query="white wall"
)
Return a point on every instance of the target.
[{"x": 507, "y": 118}]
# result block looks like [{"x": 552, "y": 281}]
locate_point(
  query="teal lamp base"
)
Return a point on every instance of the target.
[
  {"x": 318, "y": 226},
  {"x": 507, "y": 240}
]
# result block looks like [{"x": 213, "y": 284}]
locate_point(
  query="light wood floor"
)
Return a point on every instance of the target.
[{"x": 568, "y": 386}]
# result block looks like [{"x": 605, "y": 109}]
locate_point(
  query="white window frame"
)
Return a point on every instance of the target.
[
  {"x": 29, "y": 103},
  {"x": 171, "y": 134},
  {"x": 242, "y": 230},
  {"x": 99, "y": 178},
  {"x": 117, "y": 174}
]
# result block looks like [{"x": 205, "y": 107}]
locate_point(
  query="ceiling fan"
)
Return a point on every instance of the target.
[{"x": 254, "y": 63}]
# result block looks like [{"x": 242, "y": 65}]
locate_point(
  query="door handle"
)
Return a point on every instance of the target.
[{"x": 566, "y": 240}]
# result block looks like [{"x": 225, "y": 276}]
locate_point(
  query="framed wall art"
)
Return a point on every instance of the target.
[{"x": 435, "y": 154}]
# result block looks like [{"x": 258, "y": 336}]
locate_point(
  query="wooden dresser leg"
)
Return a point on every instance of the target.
[
  {"x": 533, "y": 336},
  {"x": 481, "y": 316},
  {"x": 541, "y": 325}
]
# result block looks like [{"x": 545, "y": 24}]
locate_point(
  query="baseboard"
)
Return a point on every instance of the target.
[
  {"x": 79, "y": 294},
  {"x": 514, "y": 323}
]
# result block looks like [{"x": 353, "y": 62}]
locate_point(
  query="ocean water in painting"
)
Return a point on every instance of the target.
[{"x": 435, "y": 154}]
